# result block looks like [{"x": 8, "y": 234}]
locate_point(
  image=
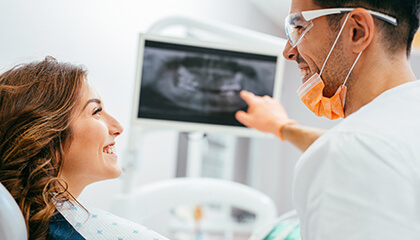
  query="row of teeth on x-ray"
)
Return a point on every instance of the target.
[{"x": 205, "y": 84}]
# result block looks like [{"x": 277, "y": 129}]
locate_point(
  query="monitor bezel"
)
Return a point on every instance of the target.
[{"x": 192, "y": 126}]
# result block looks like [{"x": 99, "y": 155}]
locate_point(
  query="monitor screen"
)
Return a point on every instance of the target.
[{"x": 189, "y": 82}]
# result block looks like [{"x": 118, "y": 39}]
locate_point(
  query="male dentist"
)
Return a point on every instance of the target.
[{"x": 360, "y": 179}]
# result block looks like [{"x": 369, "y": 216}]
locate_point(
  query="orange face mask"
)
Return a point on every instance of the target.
[
  {"x": 311, "y": 91},
  {"x": 311, "y": 95}
]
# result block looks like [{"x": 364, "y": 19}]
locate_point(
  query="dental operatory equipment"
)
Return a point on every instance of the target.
[
  {"x": 189, "y": 84},
  {"x": 285, "y": 227}
]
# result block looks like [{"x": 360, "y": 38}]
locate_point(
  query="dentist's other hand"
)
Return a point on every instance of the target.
[{"x": 264, "y": 114}]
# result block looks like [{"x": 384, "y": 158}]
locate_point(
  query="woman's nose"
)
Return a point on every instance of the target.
[{"x": 114, "y": 126}]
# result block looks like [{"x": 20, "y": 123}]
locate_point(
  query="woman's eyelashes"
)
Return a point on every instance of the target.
[{"x": 97, "y": 111}]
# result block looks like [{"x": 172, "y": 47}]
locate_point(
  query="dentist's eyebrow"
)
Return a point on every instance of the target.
[{"x": 95, "y": 100}]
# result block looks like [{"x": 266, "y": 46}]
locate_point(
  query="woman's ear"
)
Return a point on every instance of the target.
[{"x": 362, "y": 29}]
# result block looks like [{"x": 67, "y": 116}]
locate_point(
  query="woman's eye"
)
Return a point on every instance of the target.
[{"x": 97, "y": 111}]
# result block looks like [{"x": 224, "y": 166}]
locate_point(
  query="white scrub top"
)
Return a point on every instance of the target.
[{"x": 361, "y": 179}]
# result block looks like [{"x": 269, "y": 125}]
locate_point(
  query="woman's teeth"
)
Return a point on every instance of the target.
[
  {"x": 304, "y": 72},
  {"x": 109, "y": 150}
]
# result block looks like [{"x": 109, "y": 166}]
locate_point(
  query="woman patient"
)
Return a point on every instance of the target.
[{"x": 55, "y": 139}]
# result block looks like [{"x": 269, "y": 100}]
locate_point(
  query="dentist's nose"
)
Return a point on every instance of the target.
[{"x": 289, "y": 52}]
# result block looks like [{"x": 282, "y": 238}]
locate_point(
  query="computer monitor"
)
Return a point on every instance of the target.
[{"x": 190, "y": 85}]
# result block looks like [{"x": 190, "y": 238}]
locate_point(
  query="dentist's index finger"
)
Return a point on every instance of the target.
[{"x": 248, "y": 97}]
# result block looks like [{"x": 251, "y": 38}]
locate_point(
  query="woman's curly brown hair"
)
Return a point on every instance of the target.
[{"x": 36, "y": 102}]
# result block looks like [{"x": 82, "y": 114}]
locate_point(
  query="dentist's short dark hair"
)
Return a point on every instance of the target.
[{"x": 395, "y": 37}]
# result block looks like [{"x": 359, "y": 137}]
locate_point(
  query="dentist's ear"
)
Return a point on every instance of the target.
[{"x": 362, "y": 27}]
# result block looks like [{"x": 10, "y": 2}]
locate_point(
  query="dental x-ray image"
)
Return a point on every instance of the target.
[{"x": 197, "y": 84}]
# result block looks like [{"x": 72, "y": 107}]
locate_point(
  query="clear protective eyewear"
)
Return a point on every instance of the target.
[{"x": 298, "y": 24}]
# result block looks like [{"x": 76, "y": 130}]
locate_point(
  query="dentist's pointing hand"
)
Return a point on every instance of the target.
[{"x": 264, "y": 114}]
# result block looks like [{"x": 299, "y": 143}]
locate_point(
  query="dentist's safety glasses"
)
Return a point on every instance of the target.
[{"x": 298, "y": 24}]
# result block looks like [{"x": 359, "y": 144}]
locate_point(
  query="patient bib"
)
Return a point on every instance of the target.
[{"x": 98, "y": 224}]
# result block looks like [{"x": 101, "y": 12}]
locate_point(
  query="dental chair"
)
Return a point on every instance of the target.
[
  {"x": 12, "y": 223},
  {"x": 286, "y": 226},
  {"x": 157, "y": 198}
]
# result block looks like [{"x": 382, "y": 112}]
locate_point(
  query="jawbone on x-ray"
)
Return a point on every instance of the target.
[
  {"x": 201, "y": 83},
  {"x": 204, "y": 83},
  {"x": 207, "y": 83}
]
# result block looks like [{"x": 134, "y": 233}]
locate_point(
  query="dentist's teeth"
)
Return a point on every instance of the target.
[{"x": 304, "y": 72}]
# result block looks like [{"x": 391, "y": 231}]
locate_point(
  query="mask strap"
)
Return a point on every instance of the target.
[
  {"x": 351, "y": 69},
  {"x": 335, "y": 42}
]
